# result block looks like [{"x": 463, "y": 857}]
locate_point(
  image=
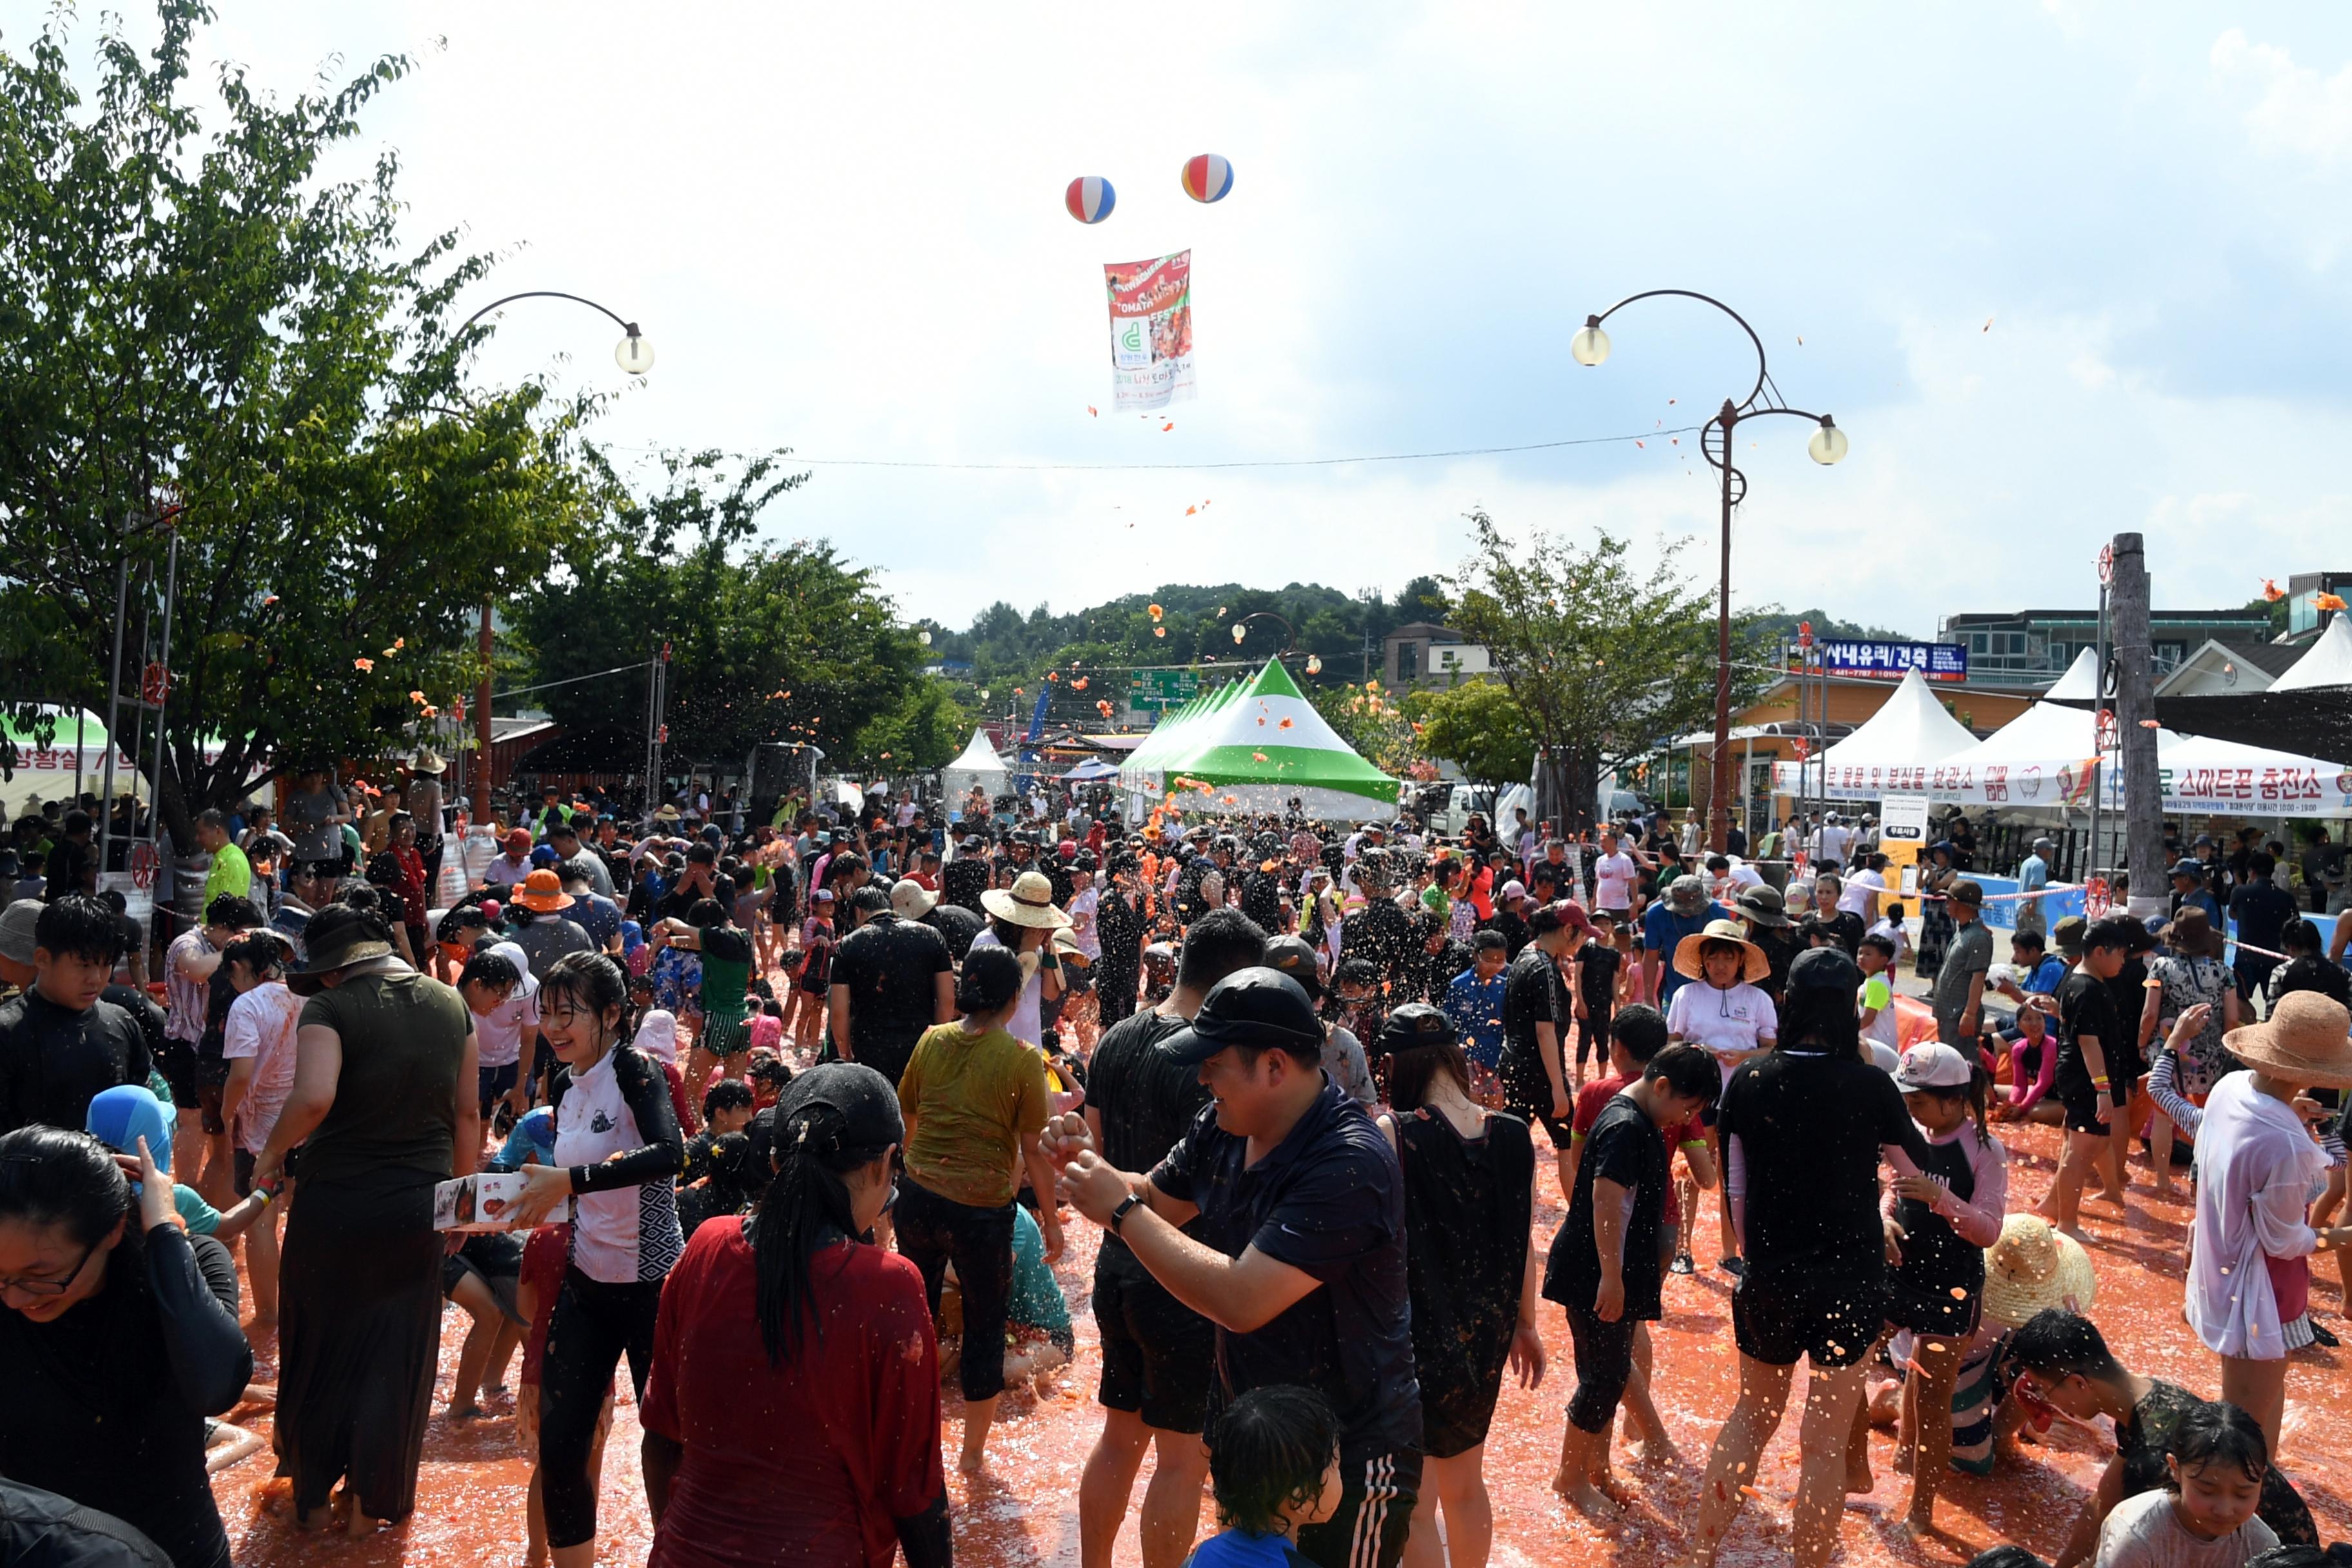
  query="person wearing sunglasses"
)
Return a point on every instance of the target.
[{"x": 120, "y": 1335}]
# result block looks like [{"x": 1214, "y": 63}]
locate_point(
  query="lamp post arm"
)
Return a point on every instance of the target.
[
  {"x": 1755, "y": 391},
  {"x": 630, "y": 328}
]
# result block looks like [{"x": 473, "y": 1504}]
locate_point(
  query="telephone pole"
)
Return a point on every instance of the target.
[{"x": 2143, "y": 796}]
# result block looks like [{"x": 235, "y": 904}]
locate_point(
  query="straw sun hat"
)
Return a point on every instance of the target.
[
  {"x": 2032, "y": 1267},
  {"x": 1686, "y": 951},
  {"x": 1028, "y": 902},
  {"x": 2303, "y": 1041}
]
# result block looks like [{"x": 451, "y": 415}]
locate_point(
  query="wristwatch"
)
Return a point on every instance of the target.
[{"x": 1119, "y": 1215}]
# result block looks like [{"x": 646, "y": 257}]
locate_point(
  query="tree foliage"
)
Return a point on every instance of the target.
[
  {"x": 1604, "y": 660},
  {"x": 767, "y": 642},
  {"x": 1479, "y": 727},
  {"x": 1375, "y": 725},
  {"x": 203, "y": 336}
]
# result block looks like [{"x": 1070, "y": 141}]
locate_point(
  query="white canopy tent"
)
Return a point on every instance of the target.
[
  {"x": 2329, "y": 661},
  {"x": 1889, "y": 753},
  {"x": 977, "y": 764}
]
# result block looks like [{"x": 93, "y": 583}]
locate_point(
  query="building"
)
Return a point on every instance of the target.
[
  {"x": 2035, "y": 648},
  {"x": 2304, "y": 619},
  {"x": 2217, "y": 667},
  {"x": 1422, "y": 653}
]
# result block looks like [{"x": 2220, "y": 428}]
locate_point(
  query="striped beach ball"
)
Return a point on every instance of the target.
[
  {"x": 1207, "y": 178},
  {"x": 1090, "y": 198}
]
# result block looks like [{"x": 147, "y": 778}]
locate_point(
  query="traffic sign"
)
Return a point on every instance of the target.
[
  {"x": 2106, "y": 729},
  {"x": 145, "y": 863},
  {"x": 2107, "y": 561},
  {"x": 1162, "y": 689}
]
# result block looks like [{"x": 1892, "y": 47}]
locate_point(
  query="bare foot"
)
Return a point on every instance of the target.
[
  {"x": 467, "y": 1412},
  {"x": 2166, "y": 1191},
  {"x": 2075, "y": 1232},
  {"x": 318, "y": 1518},
  {"x": 1905, "y": 1460},
  {"x": 2106, "y": 1195},
  {"x": 1592, "y": 1503},
  {"x": 973, "y": 1461},
  {"x": 1653, "y": 1452},
  {"x": 1858, "y": 1478}
]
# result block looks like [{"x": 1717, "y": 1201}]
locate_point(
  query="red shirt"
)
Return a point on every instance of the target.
[
  {"x": 812, "y": 1463},
  {"x": 1595, "y": 1096},
  {"x": 543, "y": 1257}
]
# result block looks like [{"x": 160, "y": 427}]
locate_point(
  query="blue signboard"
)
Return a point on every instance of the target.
[{"x": 1891, "y": 661}]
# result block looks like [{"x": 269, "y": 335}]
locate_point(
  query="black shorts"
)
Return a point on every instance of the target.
[
  {"x": 178, "y": 1066},
  {"x": 2083, "y": 1112},
  {"x": 1927, "y": 1306},
  {"x": 1159, "y": 1355},
  {"x": 1831, "y": 1323},
  {"x": 1526, "y": 1094},
  {"x": 1376, "y": 1502},
  {"x": 212, "y": 1077}
]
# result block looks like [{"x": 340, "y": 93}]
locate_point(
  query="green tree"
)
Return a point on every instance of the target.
[
  {"x": 925, "y": 731},
  {"x": 1604, "y": 660},
  {"x": 1478, "y": 727},
  {"x": 1378, "y": 729},
  {"x": 203, "y": 338}
]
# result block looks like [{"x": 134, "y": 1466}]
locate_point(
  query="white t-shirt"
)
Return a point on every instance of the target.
[
  {"x": 2145, "y": 1532},
  {"x": 498, "y": 1035},
  {"x": 262, "y": 1025},
  {"x": 1613, "y": 877},
  {"x": 1853, "y": 898},
  {"x": 1743, "y": 875},
  {"x": 1732, "y": 1024},
  {"x": 1831, "y": 841},
  {"x": 1879, "y": 992},
  {"x": 1027, "y": 1022},
  {"x": 506, "y": 871},
  {"x": 1081, "y": 912}
]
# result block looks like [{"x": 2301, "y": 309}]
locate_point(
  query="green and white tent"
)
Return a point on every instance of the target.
[{"x": 1254, "y": 746}]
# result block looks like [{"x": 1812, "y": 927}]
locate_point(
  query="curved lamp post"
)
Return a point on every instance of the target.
[
  {"x": 1591, "y": 347},
  {"x": 635, "y": 354},
  {"x": 1290, "y": 634}
]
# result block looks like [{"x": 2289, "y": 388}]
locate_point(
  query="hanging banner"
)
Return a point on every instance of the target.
[{"x": 1151, "y": 331}]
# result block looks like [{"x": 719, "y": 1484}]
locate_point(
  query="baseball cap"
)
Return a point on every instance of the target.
[
  {"x": 1967, "y": 892},
  {"x": 1514, "y": 888},
  {"x": 17, "y": 923},
  {"x": 518, "y": 839},
  {"x": 1824, "y": 969},
  {"x": 865, "y": 1100},
  {"x": 1410, "y": 1026},
  {"x": 1258, "y": 1006},
  {"x": 2193, "y": 869},
  {"x": 2066, "y": 936},
  {"x": 1558, "y": 915},
  {"x": 1294, "y": 956},
  {"x": 1933, "y": 1065}
]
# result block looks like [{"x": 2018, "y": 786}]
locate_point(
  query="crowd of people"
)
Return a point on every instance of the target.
[{"x": 801, "y": 1115}]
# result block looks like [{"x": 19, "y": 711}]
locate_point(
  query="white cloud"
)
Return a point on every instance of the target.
[{"x": 2298, "y": 111}]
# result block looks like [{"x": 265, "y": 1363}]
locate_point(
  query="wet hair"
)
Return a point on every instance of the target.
[
  {"x": 2216, "y": 1433},
  {"x": 764, "y": 1066},
  {"x": 1410, "y": 1070},
  {"x": 991, "y": 979},
  {"x": 1356, "y": 971},
  {"x": 2114, "y": 933},
  {"x": 356, "y": 894},
  {"x": 78, "y": 927},
  {"x": 2030, "y": 940},
  {"x": 1216, "y": 945},
  {"x": 233, "y": 910},
  {"x": 1686, "y": 1070},
  {"x": 1641, "y": 1029},
  {"x": 213, "y": 817},
  {"x": 1880, "y": 943},
  {"x": 2302, "y": 1554},
  {"x": 2301, "y": 936},
  {"x": 2011, "y": 1557},
  {"x": 1270, "y": 1450},
  {"x": 495, "y": 969},
  {"x": 51, "y": 1176},
  {"x": 264, "y": 953},
  {"x": 1489, "y": 941},
  {"x": 806, "y": 1206},
  {"x": 727, "y": 1094},
  {"x": 1822, "y": 1015},
  {"x": 576, "y": 870},
  {"x": 588, "y": 980},
  {"x": 2059, "y": 1343},
  {"x": 707, "y": 914}
]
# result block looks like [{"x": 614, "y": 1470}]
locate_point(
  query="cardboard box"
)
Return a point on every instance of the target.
[{"x": 481, "y": 1202}]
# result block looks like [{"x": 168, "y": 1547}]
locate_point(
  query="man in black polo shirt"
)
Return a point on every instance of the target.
[
  {"x": 1158, "y": 1353},
  {"x": 966, "y": 877},
  {"x": 1537, "y": 1009},
  {"x": 1295, "y": 1191},
  {"x": 892, "y": 979}
]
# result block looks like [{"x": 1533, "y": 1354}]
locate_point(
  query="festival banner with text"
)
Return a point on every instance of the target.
[{"x": 1151, "y": 331}]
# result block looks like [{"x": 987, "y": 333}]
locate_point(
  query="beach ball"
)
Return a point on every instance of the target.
[
  {"x": 1207, "y": 178},
  {"x": 1090, "y": 198}
]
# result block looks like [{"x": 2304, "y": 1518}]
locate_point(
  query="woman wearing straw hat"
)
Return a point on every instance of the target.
[
  {"x": 1726, "y": 1014},
  {"x": 423, "y": 801},
  {"x": 2250, "y": 1278},
  {"x": 2059, "y": 1364},
  {"x": 1022, "y": 919}
]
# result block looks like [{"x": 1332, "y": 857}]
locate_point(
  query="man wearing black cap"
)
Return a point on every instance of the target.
[
  {"x": 1158, "y": 1353},
  {"x": 1295, "y": 1192}
]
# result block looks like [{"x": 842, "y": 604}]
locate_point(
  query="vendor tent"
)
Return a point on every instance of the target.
[
  {"x": 2307, "y": 710},
  {"x": 2329, "y": 662},
  {"x": 977, "y": 764},
  {"x": 1259, "y": 746},
  {"x": 1889, "y": 753},
  {"x": 1092, "y": 771}
]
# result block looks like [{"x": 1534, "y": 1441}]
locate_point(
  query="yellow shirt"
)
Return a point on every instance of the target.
[{"x": 975, "y": 1099}]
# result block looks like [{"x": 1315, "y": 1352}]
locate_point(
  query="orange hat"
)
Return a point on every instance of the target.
[{"x": 543, "y": 890}]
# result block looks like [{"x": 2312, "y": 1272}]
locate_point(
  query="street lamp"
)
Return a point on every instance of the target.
[
  {"x": 635, "y": 354},
  {"x": 1290, "y": 634},
  {"x": 1589, "y": 346}
]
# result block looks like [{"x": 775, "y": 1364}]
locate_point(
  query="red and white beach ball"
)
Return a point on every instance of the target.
[
  {"x": 1207, "y": 178},
  {"x": 1089, "y": 198}
]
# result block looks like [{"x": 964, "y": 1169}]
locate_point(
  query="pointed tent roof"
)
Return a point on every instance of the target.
[
  {"x": 1264, "y": 744},
  {"x": 1911, "y": 727},
  {"x": 2329, "y": 662},
  {"x": 977, "y": 757}
]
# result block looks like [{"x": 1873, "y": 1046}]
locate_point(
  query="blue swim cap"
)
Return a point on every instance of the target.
[
  {"x": 633, "y": 936},
  {"x": 120, "y": 1116},
  {"x": 545, "y": 855}
]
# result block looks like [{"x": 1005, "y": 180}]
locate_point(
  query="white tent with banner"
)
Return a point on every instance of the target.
[
  {"x": 1258, "y": 746},
  {"x": 2048, "y": 758},
  {"x": 47, "y": 773},
  {"x": 2328, "y": 662},
  {"x": 979, "y": 764},
  {"x": 1890, "y": 752}
]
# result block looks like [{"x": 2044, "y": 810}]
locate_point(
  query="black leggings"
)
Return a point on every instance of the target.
[
  {"x": 1604, "y": 1365},
  {"x": 593, "y": 1323},
  {"x": 1592, "y": 1037},
  {"x": 933, "y": 1232}
]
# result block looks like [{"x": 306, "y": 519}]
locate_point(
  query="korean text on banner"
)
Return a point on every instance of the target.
[{"x": 1151, "y": 331}]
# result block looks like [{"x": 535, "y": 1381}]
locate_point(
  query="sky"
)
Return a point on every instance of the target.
[{"x": 2059, "y": 270}]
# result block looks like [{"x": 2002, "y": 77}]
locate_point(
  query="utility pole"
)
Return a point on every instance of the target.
[
  {"x": 2143, "y": 801},
  {"x": 486, "y": 649}
]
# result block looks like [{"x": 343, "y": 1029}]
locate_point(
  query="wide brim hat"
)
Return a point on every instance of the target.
[
  {"x": 543, "y": 890},
  {"x": 2034, "y": 1267},
  {"x": 1028, "y": 902},
  {"x": 428, "y": 763},
  {"x": 2304, "y": 1040},
  {"x": 667, "y": 813},
  {"x": 339, "y": 946},
  {"x": 1764, "y": 906},
  {"x": 1687, "y": 895},
  {"x": 1686, "y": 951},
  {"x": 910, "y": 900}
]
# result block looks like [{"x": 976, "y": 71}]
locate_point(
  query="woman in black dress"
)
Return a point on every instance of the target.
[
  {"x": 384, "y": 1106},
  {"x": 120, "y": 1336},
  {"x": 1470, "y": 1271}
]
